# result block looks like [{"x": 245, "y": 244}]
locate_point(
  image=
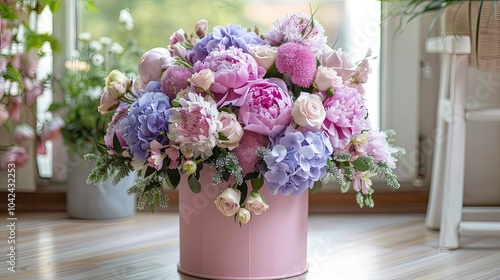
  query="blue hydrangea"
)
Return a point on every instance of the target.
[
  {"x": 296, "y": 161},
  {"x": 232, "y": 35},
  {"x": 147, "y": 120}
]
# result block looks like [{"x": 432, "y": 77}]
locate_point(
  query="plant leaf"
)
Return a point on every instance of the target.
[
  {"x": 316, "y": 187},
  {"x": 116, "y": 145},
  {"x": 243, "y": 188},
  {"x": 360, "y": 165},
  {"x": 149, "y": 170},
  {"x": 194, "y": 184},
  {"x": 257, "y": 183},
  {"x": 174, "y": 177}
]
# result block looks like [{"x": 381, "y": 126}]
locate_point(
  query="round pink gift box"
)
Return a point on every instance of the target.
[{"x": 271, "y": 246}]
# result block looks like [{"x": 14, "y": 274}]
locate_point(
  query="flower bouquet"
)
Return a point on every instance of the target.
[{"x": 280, "y": 110}]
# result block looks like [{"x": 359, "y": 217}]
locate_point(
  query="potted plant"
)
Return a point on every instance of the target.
[
  {"x": 82, "y": 85},
  {"x": 474, "y": 18}
]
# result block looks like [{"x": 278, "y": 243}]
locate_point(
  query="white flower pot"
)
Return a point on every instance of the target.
[{"x": 103, "y": 201}]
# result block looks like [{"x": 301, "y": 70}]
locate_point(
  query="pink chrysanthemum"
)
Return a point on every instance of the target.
[
  {"x": 247, "y": 150},
  {"x": 175, "y": 79},
  {"x": 298, "y": 61},
  {"x": 345, "y": 116}
]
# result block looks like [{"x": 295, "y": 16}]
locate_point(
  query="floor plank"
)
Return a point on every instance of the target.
[{"x": 342, "y": 246}]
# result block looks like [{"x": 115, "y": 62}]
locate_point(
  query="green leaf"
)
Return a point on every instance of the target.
[
  {"x": 360, "y": 165},
  {"x": 90, "y": 6},
  {"x": 13, "y": 74},
  {"x": 8, "y": 125},
  {"x": 257, "y": 183},
  {"x": 222, "y": 136},
  {"x": 169, "y": 184},
  {"x": 100, "y": 147},
  {"x": 174, "y": 177},
  {"x": 316, "y": 187},
  {"x": 345, "y": 187},
  {"x": 251, "y": 176},
  {"x": 55, "y": 107},
  {"x": 194, "y": 184},
  {"x": 273, "y": 72},
  {"x": 243, "y": 188},
  {"x": 116, "y": 145},
  {"x": 150, "y": 170}
]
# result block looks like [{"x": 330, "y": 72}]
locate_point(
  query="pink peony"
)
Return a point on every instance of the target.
[
  {"x": 15, "y": 107},
  {"x": 16, "y": 155},
  {"x": 298, "y": 61},
  {"x": 174, "y": 79},
  {"x": 247, "y": 150},
  {"x": 266, "y": 105},
  {"x": 345, "y": 116},
  {"x": 233, "y": 69}
]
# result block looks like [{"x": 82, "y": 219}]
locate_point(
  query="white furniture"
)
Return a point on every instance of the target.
[{"x": 445, "y": 208}]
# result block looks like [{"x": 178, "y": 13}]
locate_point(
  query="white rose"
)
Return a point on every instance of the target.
[
  {"x": 256, "y": 203},
  {"x": 231, "y": 128},
  {"x": 265, "y": 55},
  {"x": 118, "y": 77},
  {"x": 326, "y": 78},
  {"x": 244, "y": 215},
  {"x": 228, "y": 201},
  {"x": 203, "y": 80},
  {"x": 308, "y": 111}
]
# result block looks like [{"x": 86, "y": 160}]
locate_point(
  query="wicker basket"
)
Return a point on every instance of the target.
[{"x": 458, "y": 21}]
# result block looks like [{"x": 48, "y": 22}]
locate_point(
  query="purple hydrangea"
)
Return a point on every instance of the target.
[
  {"x": 296, "y": 161},
  {"x": 147, "y": 120},
  {"x": 232, "y": 35}
]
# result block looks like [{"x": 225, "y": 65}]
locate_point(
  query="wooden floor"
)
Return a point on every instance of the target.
[{"x": 375, "y": 246}]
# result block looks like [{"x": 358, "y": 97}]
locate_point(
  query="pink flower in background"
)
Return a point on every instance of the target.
[
  {"x": 266, "y": 105},
  {"x": 15, "y": 107},
  {"x": 3, "y": 63},
  {"x": 52, "y": 129},
  {"x": 247, "y": 150},
  {"x": 298, "y": 61},
  {"x": 345, "y": 116},
  {"x": 32, "y": 89},
  {"x": 5, "y": 34},
  {"x": 233, "y": 69},
  {"x": 178, "y": 36},
  {"x": 17, "y": 155},
  {"x": 4, "y": 114},
  {"x": 153, "y": 63},
  {"x": 29, "y": 63},
  {"x": 23, "y": 133},
  {"x": 340, "y": 62}
]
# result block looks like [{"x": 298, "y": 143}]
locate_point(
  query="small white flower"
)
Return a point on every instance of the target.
[
  {"x": 96, "y": 46},
  {"x": 244, "y": 215},
  {"x": 97, "y": 59},
  {"x": 85, "y": 36},
  {"x": 126, "y": 19},
  {"x": 75, "y": 54},
  {"x": 105, "y": 41},
  {"x": 116, "y": 48}
]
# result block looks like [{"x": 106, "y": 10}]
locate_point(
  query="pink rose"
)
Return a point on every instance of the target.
[
  {"x": 118, "y": 77},
  {"x": 110, "y": 99},
  {"x": 308, "y": 111},
  {"x": 265, "y": 55},
  {"x": 153, "y": 63},
  {"x": 326, "y": 78},
  {"x": 14, "y": 155},
  {"x": 201, "y": 28},
  {"x": 23, "y": 133},
  {"x": 52, "y": 129},
  {"x": 228, "y": 201},
  {"x": 266, "y": 105},
  {"x": 256, "y": 203},
  {"x": 4, "y": 114},
  {"x": 15, "y": 107},
  {"x": 203, "y": 80},
  {"x": 29, "y": 63},
  {"x": 340, "y": 62},
  {"x": 232, "y": 130}
]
